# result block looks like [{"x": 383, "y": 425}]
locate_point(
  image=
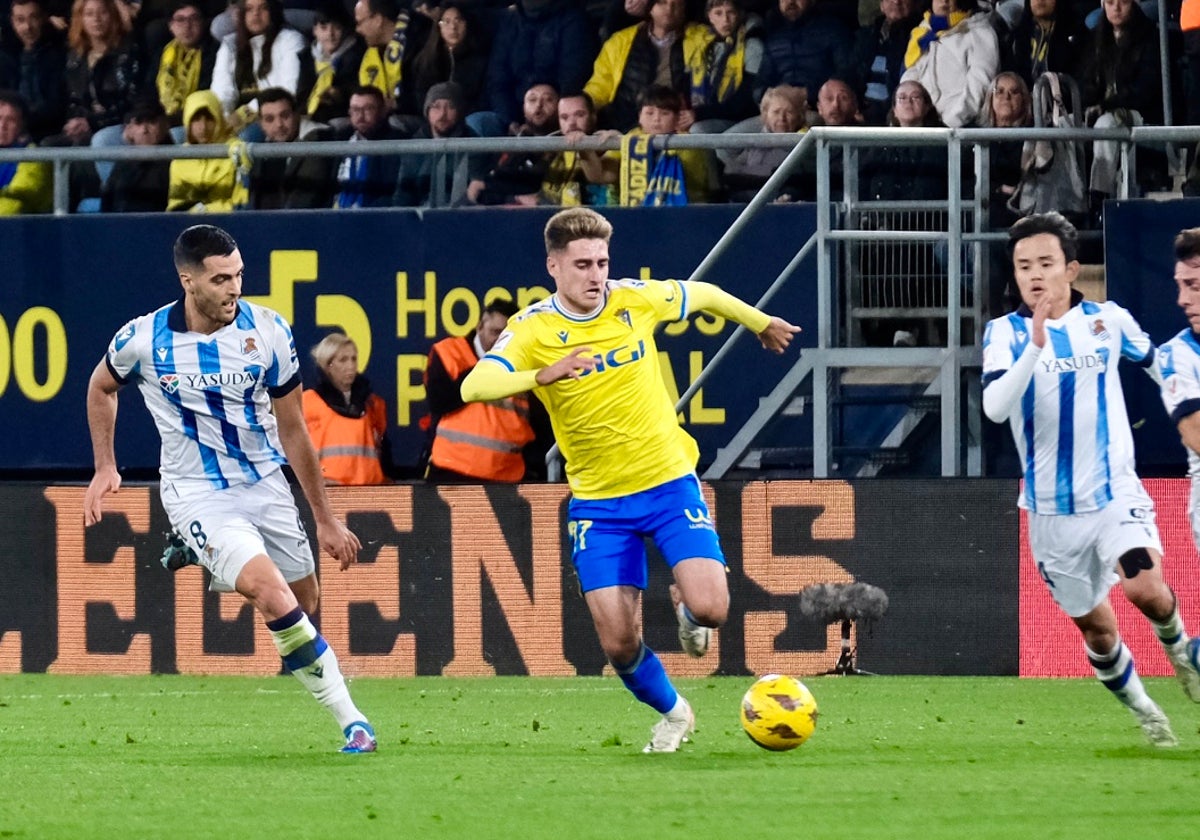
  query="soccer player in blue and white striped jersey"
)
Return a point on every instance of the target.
[
  {"x": 1050, "y": 370},
  {"x": 1179, "y": 363},
  {"x": 221, "y": 378}
]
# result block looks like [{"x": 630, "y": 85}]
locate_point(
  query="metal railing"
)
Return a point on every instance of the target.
[{"x": 954, "y": 362}]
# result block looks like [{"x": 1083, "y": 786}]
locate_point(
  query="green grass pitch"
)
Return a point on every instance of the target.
[{"x": 893, "y": 757}]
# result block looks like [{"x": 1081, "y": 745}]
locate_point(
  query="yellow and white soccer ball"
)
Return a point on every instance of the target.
[{"x": 779, "y": 713}]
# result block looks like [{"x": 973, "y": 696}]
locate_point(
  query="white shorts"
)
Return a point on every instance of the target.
[
  {"x": 226, "y": 528},
  {"x": 1077, "y": 554}
]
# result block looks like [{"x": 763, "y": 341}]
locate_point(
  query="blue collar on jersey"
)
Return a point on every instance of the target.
[
  {"x": 1025, "y": 312},
  {"x": 562, "y": 310},
  {"x": 177, "y": 317}
]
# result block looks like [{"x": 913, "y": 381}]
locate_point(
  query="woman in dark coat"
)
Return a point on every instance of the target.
[{"x": 453, "y": 52}]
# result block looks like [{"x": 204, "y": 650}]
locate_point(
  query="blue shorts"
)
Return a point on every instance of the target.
[{"x": 608, "y": 535}]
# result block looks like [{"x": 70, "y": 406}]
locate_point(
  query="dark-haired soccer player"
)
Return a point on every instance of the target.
[
  {"x": 221, "y": 378},
  {"x": 589, "y": 348},
  {"x": 1179, "y": 363},
  {"x": 1050, "y": 370}
]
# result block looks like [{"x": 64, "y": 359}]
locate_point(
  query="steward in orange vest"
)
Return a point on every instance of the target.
[
  {"x": 482, "y": 441},
  {"x": 348, "y": 436}
]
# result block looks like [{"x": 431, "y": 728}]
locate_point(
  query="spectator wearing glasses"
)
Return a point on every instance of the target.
[{"x": 185, "y": 64}]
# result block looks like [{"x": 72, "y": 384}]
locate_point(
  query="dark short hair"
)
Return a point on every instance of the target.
[
  {"x": 367, "y": 90},
  {"x": 144, "y": 111},
  {"x": 17, "y": 101},
  {"x": 500, "y": 306},
  {"x": 1187, "y": 244},
  {"x": 276, "y": 94},
  {"x": 580, "y": 94},
  {"x": 180, "y": 5},
  {"x": 199, "y": 242},
  {"x": 334, "y": 11},
  {"x": 660, "y": 96},
  {"x": 1053, "y": 223}
]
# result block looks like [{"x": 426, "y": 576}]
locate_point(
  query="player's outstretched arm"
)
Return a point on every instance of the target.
[
  {"x": 102, "y": 423},
  {"x": 774, "y": 332},
  {"x": 332, "y": 533}
]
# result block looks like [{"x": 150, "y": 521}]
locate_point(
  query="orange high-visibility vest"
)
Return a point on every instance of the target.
[
  {"x": 347, "y": 447},
  {"x": 482, "y": 439},
  {"x": 1189, "y": 15}
]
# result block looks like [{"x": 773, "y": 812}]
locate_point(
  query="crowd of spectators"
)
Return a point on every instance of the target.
[{"x": 113, "y": 72}]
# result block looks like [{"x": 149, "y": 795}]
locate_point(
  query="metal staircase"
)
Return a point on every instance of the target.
[{"x": 857, "y": 246}]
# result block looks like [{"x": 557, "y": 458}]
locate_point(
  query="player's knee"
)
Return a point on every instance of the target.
[
  {"x": 262, "y": 585},
  {"x": 710, "y": 609},
  {"x": 621, "y": 651},
  {"x": 710, "y": 614}
]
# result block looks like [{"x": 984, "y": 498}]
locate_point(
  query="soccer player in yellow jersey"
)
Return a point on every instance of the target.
[{"x": 589, "y": 350}]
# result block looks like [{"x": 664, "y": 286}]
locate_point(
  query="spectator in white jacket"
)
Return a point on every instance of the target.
[
  {"x": 954, "y": 53},
  {"x": 263, "y": 53}
]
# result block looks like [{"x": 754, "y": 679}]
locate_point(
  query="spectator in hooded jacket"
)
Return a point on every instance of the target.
[
  {"x": 211, "y": 185},
  {"x": 954, "y": 53}
]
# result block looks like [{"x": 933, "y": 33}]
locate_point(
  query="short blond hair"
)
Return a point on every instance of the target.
[
  {"x": 794, "y": 96},
  {"x": 574, "y": 223},
  {"x": 328, "y": 347}
]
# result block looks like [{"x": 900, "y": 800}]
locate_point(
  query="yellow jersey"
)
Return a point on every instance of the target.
[{"x": 616, "y": 424}]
